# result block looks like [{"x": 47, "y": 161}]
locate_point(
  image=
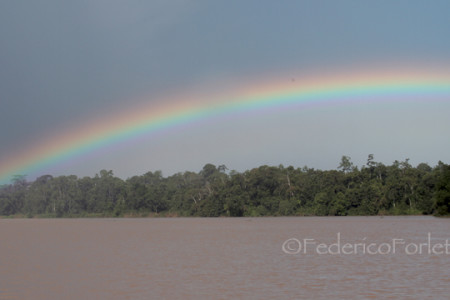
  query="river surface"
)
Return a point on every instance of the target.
[{"x": 225, "y": 258}]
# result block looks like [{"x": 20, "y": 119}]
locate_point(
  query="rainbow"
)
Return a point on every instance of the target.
[{"x": 149, "y": 119}]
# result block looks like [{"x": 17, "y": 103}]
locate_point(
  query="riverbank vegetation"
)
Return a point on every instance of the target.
[{"x": 374, "y": 189}]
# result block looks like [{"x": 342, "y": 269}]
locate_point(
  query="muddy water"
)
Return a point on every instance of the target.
[{"x": 223, "y": 258}]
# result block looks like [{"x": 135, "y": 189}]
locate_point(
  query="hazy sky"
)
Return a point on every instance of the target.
[{"x": 63, "y": 63}]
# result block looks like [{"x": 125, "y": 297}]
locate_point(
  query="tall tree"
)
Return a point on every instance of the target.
[{"x": 346, "y": 165}]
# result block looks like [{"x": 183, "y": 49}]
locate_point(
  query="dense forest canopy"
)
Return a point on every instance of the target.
[{"x": 374, "y": 189}]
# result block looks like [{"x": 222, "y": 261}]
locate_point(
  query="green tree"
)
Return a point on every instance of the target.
[
  {"x": 321, "y": 201},
  {"x": 39, "y": 195},
  {"x": 346, "y": 165},
  {"x": 339, "y": 205},
  {"x": 442, "y": 193}
]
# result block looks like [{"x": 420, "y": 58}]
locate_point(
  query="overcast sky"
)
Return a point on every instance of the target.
[{"x": 63, "y": 63}]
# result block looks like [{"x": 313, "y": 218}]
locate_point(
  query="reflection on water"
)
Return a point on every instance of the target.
[{"x": 221, "y": 258}]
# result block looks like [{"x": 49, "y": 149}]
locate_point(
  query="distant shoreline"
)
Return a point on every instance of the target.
[
  {"x": 172, "y": 216},
  {"x": 374, "y": 189}
]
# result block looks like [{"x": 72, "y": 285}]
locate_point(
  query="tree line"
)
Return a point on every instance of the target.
[{"x": 373, "y": 189}]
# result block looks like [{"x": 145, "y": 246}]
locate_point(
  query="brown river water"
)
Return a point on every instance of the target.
[{"x": 225, "y": 258}]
